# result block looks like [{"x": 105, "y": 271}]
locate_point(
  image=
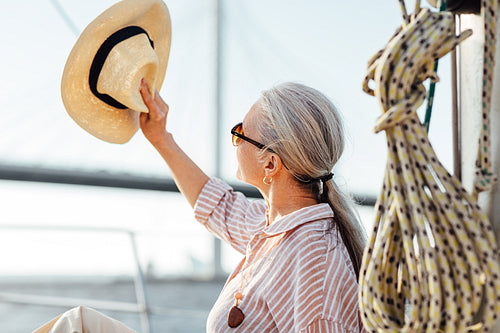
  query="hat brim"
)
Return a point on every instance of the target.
[{"x": 89, "y": 112}]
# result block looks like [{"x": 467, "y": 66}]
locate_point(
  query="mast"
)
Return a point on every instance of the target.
[
  {"x": 217, "y": 244},
  {"x": 471, "y": 80}
]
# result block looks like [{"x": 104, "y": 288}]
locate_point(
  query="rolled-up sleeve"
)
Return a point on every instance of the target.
[{"x": 228, "y": 214}]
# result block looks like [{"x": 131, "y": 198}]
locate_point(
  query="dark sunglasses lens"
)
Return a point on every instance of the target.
[{"x": 238, "y": 129}]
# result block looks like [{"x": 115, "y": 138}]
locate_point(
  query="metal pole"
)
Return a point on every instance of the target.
[
  {"x": 140, "y": 289},
  {"x": 455, "y": 115},
  {"x": 471, "y": 69},
  {"x": 217, "y": 249}
]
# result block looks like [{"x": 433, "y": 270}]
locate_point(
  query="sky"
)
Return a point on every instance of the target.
[
  {"x": 322, "y": 43},
  {"x": 325, "y": 44}
]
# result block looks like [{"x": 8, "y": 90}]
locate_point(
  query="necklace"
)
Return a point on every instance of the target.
[{"x": 236, "y": 315}]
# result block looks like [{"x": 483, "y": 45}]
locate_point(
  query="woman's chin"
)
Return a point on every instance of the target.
[{"x": 241, "y": 178}]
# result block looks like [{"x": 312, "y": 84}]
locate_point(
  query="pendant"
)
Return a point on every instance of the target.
[{"x": 235, "y": 317}]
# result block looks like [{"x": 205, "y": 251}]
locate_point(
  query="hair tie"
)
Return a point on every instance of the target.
[{"x": 326, "y": 178}]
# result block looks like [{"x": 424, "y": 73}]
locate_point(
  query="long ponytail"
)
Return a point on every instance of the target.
[{"x": 347, "y": 221}]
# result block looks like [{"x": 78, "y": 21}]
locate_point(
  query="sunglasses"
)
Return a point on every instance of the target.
[{"x": 239, "y": 135}]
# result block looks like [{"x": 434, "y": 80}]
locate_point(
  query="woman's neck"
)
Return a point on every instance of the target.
[{"x": 283, "y": 200}]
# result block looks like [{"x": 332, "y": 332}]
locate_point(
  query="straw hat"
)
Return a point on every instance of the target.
[{"x": 101, "y": 79}]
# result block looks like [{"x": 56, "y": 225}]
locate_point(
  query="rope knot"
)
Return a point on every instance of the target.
[{"x": 407, "y": 60}]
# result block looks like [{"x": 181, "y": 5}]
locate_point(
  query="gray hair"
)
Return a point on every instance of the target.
[{"x": 303, "y": 127}]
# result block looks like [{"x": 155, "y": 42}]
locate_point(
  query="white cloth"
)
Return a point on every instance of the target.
[{"x": 83, "y": 320}]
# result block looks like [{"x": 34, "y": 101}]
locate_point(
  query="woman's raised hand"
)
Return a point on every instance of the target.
[
  {"x": 153, "y": 124},
  {"x": 189, "y": 178}
]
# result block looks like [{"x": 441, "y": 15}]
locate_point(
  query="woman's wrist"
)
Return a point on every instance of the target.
[{"x": 165, "y": 144}]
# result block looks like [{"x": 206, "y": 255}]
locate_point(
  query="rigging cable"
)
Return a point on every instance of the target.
[{"x": 69, "y": 22}]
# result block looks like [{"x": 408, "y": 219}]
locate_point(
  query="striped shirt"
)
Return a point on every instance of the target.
[{"x": 295, "y": 276}]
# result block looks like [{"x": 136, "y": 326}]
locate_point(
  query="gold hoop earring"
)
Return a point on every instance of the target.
[{"x": 267, "y": 181}]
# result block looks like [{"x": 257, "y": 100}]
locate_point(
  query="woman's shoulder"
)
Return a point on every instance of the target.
[
  {"x": 320, "y": 245},
  {"x": 256, "y": 215}
]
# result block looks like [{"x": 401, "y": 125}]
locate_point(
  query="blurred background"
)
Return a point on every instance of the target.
[{"x": 83, "y": 221}]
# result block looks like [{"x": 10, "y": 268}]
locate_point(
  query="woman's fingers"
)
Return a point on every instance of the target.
[
  {"x": 153, "y": 124},
  {"x": 143, "y": 119},
  {"x": 155, "y": 111},
  {"x": 161, "y": 101},
  {"x": 146, "y": 96}
]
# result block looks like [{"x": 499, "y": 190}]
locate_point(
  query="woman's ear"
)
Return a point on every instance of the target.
[{"x": 272, "y": 165}]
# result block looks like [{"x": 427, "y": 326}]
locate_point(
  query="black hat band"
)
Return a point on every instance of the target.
[{"x": 100, "y": 58}]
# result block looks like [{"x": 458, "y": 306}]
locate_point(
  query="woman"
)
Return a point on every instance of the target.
[{"x": 302, "y": 244}]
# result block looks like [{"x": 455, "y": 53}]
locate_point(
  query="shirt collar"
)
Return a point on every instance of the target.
[{"x": 297, "y": 218}]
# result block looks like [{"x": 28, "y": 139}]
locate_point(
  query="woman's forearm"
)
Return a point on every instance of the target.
[{"x": 188, "y": 177}]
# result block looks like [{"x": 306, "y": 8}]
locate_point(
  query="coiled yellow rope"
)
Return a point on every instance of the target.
[{"x": 432, "y": 260}]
